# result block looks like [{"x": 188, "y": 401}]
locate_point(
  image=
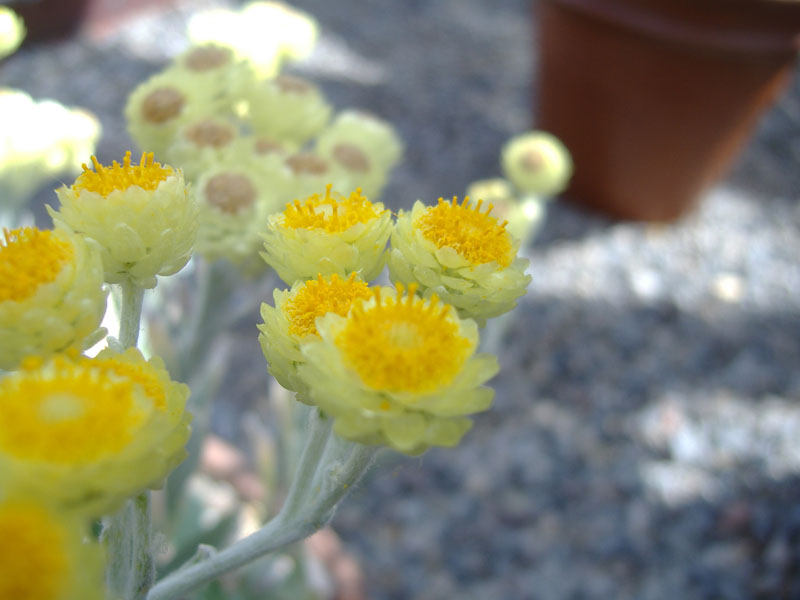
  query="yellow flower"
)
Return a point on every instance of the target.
[
  {"x": 160, "y": 106},
  {"x": 141, "y": 217},
  {"x": 364, "y": 147},
  {"x": 234, "y": 204},
  {"x": 293, "y": 320},
  {"x": 52, "y": 297},
  {"x": 12, "y": 31},
  {"x": 325, "y": 235},
  {"x": 287, "y": 109},
  {"x": 537, "y": 163},
  {"x": 87, "y": 433},
  {"x": 43, "y": 555},
  {"x": 461, "y": 254},
  {"x": 398, "y": 370}
]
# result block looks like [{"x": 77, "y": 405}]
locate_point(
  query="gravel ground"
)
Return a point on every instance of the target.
[{"x": 643, "y": 443}]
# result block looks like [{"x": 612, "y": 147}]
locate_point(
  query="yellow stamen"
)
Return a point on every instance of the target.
[
  {"x": 318, "y": 298},
  {"x": 33, "y": 559},
  {"x": 72, "y": 412},
  {"x": 412, "y": 346},
  {"x": 30, "y": 257},
  {"x": 333, "y": 214},
  {"x": 475, "y": 235},
  {"x": 148, "y": 174}
]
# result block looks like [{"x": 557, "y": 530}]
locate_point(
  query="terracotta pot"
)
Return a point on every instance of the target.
[
  {"x": 654, "y": 98},
  {"x": 50, "y": 20},
  {"x": 47, "y": 20}
]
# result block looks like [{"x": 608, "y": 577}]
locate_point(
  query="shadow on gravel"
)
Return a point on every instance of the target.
[{"x": 632, "y": 452}]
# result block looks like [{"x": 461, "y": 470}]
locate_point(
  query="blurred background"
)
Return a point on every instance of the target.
[{"x": 645, "y": 438}]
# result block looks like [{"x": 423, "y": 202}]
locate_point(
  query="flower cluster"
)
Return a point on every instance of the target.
[
  {"x": 391, "y": 365},
  {"x": 79, "y": 435},
  {"x": 248, "y": 137}
]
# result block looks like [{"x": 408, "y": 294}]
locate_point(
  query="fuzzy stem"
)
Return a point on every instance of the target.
[
  {"x": 130, "y": 314},
  {"x": 320, "y": 484},
  {"x": 319, "y": 430},
  {"x": 128, "y": 534}
]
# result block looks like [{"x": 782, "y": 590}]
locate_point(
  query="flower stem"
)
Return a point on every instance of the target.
[
  {"x": 128, "y": 534},
  {"x": 130, "y": 314},
  {"x": 328, "y": 469},
  {"x": 319, "y": 430}
]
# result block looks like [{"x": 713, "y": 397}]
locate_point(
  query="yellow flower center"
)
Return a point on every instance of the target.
[
  {"x": 30, "y": 257},
  {"x": 404, "y": 344},
  {"x": 320, "y": 297},
  {"x": 73, "y": 412},
  {"x": 475, "y": 235},
  {"x": 148, "y": 174},
  {"x": 333, "y": 214},
  {"x": 33, "y": 560}
]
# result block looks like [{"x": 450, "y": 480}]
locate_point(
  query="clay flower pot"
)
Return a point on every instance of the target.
[
  {"x": 47, "y": 20},
  {"x": 654, "y": 98}
]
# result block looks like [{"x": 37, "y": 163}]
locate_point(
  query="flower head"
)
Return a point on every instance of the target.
[
  {"x": 460, "y": 253},
  {"x": 43, "y": 555},
  {"x": 364, "y": 148},
  {"x": 398, "y": 370},
  {"x": 293, "y": 320},
  {"x": 203, "y": 144},
  {"x": 234, "y": 204},
  {"x": 167, "y": 101},
  {"x": 328, "y": 234},
  {"x": 537, "y": 163},
  {"x": 140, "y": 216},
  {"x": 12, "y": 31},
  {"x": 287, "y": 109},
  {"x": 52, "y": 297},
  {"x": 87, "y": 433}
]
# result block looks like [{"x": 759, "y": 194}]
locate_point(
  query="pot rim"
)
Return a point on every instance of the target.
[{"x": 769, "y": 35}]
